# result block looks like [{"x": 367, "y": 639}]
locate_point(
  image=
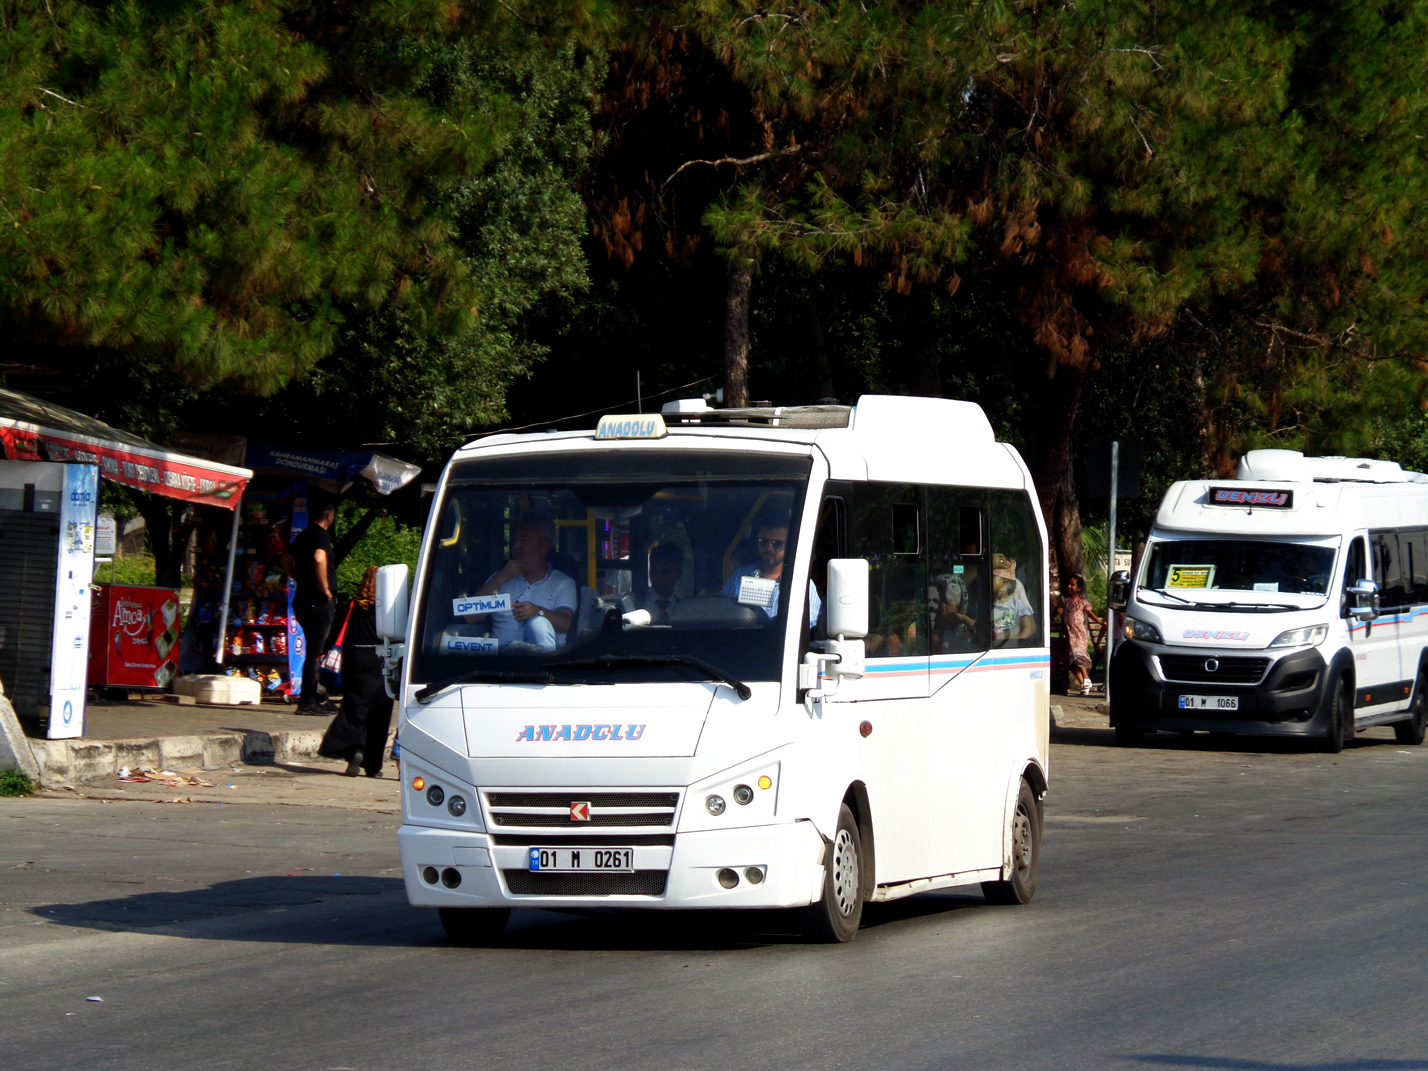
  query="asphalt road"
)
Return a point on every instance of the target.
[{"x": 1202, "y": 905}]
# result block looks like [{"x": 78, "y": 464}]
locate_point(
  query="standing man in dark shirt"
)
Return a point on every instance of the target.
[{"x": 310, "y": 563}]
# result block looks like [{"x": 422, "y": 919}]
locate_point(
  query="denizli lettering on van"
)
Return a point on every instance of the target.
[
  {"x": 541, "y": 733},
  {"x": 1212, "y": 634},
  {"x": 1238, "y": 496}
]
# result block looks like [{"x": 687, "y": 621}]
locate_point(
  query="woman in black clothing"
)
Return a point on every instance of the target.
[{"x": 359, "y": 732}]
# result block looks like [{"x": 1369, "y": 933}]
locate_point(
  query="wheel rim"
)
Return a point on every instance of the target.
[
  {"x": 845, "y": 873},
  {"x": 1021, "y": 841}
]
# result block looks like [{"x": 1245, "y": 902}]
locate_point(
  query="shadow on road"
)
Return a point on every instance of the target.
[
  {"x": 1230, "y": 1063},
  {"x": 1227, "y": 742},
  {"x": 374, "y": 911}
]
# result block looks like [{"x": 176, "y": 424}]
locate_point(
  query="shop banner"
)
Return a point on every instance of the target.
[
  {"x": 386, "y": 474},
  {"x": 134, "y": 636},
  {"x": 79, "y": 504}
]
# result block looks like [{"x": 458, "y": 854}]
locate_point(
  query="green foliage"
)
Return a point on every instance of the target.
[
  {"x": 137, "y": 570},
  {"x": 15, "y": 783},
  {"x": 386, "y": 542}
]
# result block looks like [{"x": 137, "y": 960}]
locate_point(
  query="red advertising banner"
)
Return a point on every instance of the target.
[{"x": 133, "y": 636}]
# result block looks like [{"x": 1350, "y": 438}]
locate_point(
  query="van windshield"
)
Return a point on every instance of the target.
[
  {"x": 1190, "y": 567},
  {"x": 539, "y": 559}
]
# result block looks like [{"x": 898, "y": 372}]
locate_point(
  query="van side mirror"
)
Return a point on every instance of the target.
[
  {"x": 845, "y": 612},
  {"x": 1118, "y": 590},
  {"x": 392, "y": 603},
  {"x": 1363, "y": 600}
]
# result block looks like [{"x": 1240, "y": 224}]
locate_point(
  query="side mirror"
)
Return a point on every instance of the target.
[
  {"x": 392, "y": 603},
  {"x": 845, "y": 612},
  {"x": 1118, "y": 590},
  {"x": 1363, "y": 600}
]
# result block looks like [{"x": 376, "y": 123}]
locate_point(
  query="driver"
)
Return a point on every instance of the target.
[
  {"x": 773, "y": 546},
  {"x": 542, "y": 599}
]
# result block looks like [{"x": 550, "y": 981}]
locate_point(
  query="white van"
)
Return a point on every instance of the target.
[
  {"x": 1290, "y": 601},
  {"x": 725, "y": 658}
]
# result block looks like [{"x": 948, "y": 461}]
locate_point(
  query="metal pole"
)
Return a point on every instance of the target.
[
  {"x": 1111, "y": 563},
  {"x": 639, "y": 394},
  {"x": 228, "y": 585}
]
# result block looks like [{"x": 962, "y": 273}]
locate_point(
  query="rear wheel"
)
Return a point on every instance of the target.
[
  {"x": 1020, "y": 885},
  {"x": 1339, "y": 715},
  {"x": 474, "y": 925},
  {"x": 835, "y": 916},
  {"x": 1413, "y": 730}
]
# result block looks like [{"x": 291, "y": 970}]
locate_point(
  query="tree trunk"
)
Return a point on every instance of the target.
[
  {"x": 926, "y": 359},
  {"x": 342, "y": 546},
  {"x": 823, "y": 388},
  {"x": 1055, "y": 482},
  {"x": 736, "y": 334},
  {"x": 169, "y": 533}
]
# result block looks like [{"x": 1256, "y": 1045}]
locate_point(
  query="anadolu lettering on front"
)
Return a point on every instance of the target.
[{"x": 537, "y": 734}]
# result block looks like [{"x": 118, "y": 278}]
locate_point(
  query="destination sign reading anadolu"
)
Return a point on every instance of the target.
[{"x": 1272, "y": 498}]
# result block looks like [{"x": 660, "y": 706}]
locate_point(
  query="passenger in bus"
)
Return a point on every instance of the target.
[
  {"x": 543, "y": 599},
  {"x": 1013, "y": 618},
  {"x": 665, "y": 570},
  {"x": 772, "y": 546},
  {"x": 952, "y": 626}
]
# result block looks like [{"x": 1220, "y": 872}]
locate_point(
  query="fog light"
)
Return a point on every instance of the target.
[
  {"x": 429, "y": 875},
  {"x": 754, "y": 876},
  {"x": 434, "y": 795},
  {"x": 766, "y": 781},
  {"x": 743, "y": 794},
  {"x": 715, "y": 806},
  {"x": 456, "y": 805},
  {"x": 451, "y": 877},
  {"x": 728, "y": 878},
  {"x": 418, "y": 783}
]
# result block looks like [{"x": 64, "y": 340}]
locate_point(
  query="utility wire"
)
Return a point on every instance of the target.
[{"x": 588, "y": 412}]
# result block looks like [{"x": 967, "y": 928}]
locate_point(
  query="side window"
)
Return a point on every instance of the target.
[
  {"x": 959, "y": 589},
  {"x": 1386, "y": 569},
  {"x": 1017, "y": 572},
  {"x": 886, "y": 527},
  {"x": 1413, "y": 558},
  {"x": 1353, "y": 573}
]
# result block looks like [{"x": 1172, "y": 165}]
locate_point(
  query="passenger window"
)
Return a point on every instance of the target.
[
  {"x": 886, "y": 528},
  {"x": 1353, "y": 573},
  {"x": 958, "y": 592},
  {"x": 1016, "y": 567},
  {"x": 1413, "y": 558},
  {"x": 1386, "y": 570}
]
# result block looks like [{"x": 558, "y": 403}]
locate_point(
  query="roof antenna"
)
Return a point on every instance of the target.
[{"x": 639, "y": 400}]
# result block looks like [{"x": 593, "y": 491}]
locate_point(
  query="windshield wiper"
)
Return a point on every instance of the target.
[
  {"x": 693, "y": 661},
  {"x": 1177, "y": 598},
  {"x": 507, "y": 676},
  {"x": 1250, "y": 607}
]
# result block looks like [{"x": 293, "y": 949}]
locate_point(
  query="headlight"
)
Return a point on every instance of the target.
[
  {"x": 1302, "y": 637},
  {"x": 1141, "y": 630}
]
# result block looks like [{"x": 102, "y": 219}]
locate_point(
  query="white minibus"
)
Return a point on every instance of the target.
[
  {"x": 1290, "y": 601},
  {"x": 757, "y": 658}
]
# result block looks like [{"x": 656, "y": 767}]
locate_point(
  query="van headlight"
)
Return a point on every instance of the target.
[
  {"x": 1141, "y": 630},
  {"x": 1302, "y": 637}
]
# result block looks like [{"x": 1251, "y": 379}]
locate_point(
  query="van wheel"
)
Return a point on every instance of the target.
[
  {"x": 474, "y": 926},
  {"x": 1129, "y": 736},
  {"x": 1412, "y": 731},
  {"x": 1333, "y": 739},
  {"x": 1020, "y": 887},
  {"x": 836, "y": 915}
]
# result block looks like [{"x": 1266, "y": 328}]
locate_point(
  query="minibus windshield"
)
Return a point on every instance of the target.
[
  {"x": 613, "y": 564},
  {"x": 1187, "y": 568}
]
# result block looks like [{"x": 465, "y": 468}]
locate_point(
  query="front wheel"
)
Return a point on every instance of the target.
[
  {"x": 1340, "y": 719},
  {"x": 1020, "y": 886},
  {"x": 473, "y": 926},
  {"x": 834, "y": 917},
  {"x": 1413, "y": 730}
]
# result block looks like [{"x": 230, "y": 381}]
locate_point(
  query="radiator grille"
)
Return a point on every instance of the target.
[
  {"x": 593, "y": 840},
  {"x": 1191, "y": 669},
  {"x": 562, "y": 820},
  {"x": 551, "y": 810},
  {"x": 595, "y": 799},
  {"x": 534, "y": 883}
]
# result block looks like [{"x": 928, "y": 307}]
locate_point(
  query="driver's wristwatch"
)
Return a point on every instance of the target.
[{"x": 540, "y": 611}]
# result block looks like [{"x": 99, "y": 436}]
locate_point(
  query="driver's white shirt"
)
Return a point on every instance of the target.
[{"x": 554, "y": 591}]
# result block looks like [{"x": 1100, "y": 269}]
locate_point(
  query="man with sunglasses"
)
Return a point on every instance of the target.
[{"x": 757, "y": 584}]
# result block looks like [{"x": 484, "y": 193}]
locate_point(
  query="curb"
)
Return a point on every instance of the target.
[{"x": 65, "y": 763}]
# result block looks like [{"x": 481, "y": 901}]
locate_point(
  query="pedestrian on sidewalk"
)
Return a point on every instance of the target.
[
  {"x": 1076, "y": 612},
  {"x": 309, "y": 561},
  {"x": 359, "y": 732}
]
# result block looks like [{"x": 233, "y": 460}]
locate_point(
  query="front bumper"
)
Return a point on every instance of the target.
[
  {"x": 497, "y": 875},
  {"x": 1291, "y": 700}
]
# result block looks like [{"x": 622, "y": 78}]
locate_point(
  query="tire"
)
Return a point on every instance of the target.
[
  {"x": 474, "y": 926},
  {"x": 834, "y": 918},
  {"x": 1129, "y": 736},
  {"x": 1332, "y": 741},
  {"x": 1020, "y": 887},
  {"x": 1415, "y": 728}
]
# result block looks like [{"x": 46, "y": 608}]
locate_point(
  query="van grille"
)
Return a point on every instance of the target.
[
  {"x": 641, "y": 809},
  {"x": 1190, "y": 669},
  {"x": 534, "y": 883}
]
